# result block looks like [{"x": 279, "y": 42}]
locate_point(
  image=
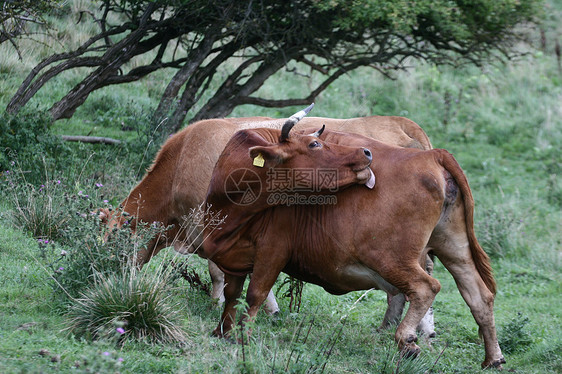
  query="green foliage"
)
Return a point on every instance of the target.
[
  {"x": 128, "y": 304},
  {"x": 392, "y": 362},
  {"x": 98, "y": 361},
  {"x": 151, "y": 134},
  {"x": 27, "y": 139},
  {"x": 15, "y": 14},
  {"x": 515, "y": 336},
  {"x": 459, "y": 20},
  {"x": 495, "y": 232},
  {"x": 89, "y": 255}
]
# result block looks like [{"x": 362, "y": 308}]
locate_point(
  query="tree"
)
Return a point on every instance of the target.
[
  {"x": 199, "y": 38},
  {"x": 16, "y": 14}
]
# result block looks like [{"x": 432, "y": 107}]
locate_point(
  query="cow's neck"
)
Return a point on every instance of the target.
[{"x": 222, "y": 237}]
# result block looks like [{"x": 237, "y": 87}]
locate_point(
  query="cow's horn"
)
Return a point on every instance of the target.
[
  {"x": 319, "y": 132},
  {"x": 292, "y": 121}
]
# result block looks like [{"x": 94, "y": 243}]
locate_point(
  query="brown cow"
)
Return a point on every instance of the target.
[
  {"x": 370, "y": 239},
  {"x": 177, "y": 182}
]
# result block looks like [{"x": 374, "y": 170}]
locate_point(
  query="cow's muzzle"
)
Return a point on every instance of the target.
[{"x": 366, "y": 176}]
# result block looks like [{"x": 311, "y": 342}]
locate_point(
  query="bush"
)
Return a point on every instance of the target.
[
  {"x": 514, "y": 337},
  {"x": 89, "y": 256},
  {"x": 26, "y": 137},
  {"x": 134, "y": 304}
]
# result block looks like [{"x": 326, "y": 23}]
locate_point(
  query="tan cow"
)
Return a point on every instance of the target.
[
  {"x": 366, "y": 238},
  {"x": 177, "y": 182}
]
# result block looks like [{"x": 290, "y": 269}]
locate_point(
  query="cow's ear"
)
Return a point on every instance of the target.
[{"x": 270, "y": 153}]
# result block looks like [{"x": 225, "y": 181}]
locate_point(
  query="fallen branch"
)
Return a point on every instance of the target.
[{"x": 90, "y": 139}]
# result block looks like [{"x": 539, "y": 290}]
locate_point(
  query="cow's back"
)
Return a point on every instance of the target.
[{"x": 394, "y": 130}]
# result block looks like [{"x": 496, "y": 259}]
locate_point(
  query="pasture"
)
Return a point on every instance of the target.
[{"x": 502, "y": 122}]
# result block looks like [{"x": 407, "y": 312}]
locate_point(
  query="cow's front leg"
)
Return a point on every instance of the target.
[
  {"x": 395, "y": 308},
  {"x": 232, "y": 291},
  {"x": 261, "y": 282},
  {"x": 421, "y": 292}
]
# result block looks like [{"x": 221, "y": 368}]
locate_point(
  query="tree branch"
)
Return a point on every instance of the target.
[{"x": 90, "y": 139}]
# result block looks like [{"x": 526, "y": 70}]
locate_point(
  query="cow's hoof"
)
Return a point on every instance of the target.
[
  {"x": 496, "y": 364},
  {"x": 410, "y": 350},
  {"x": 217, "y": 333}
]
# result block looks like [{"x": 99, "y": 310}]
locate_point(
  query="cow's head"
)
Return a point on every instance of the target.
[
  {"x": 111, "y": 220},
  {"x": 259, "y": 162}
]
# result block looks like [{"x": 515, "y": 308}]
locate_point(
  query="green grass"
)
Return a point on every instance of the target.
[{"x": 504, "y": 125}]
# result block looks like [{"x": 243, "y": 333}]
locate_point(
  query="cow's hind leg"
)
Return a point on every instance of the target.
[
  {"x": 271, "y": 307},
  {"x": 232, "y": 291},
  {"x": 458, "y": 261}
]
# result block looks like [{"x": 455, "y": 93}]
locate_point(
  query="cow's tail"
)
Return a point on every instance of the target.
[{"x": 480, "y": 258}]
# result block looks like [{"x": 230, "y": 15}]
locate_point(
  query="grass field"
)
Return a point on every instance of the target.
[{"x": 503, "y": 123}]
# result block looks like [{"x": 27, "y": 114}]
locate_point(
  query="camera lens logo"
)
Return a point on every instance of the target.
[{"x": 242, "y": 186}]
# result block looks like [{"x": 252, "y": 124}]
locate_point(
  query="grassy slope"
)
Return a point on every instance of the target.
[{"x": 502, "y": 123}]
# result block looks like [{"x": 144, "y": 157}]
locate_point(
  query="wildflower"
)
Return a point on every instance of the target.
[
  {"x": 120, "y": 330},
  {"x": 106, "y": 201},
  {"x": 106, "y": 353},
  {"x": 58, "y": 181},
  {"x": 99, "y": 185},
  {"x": 61, "y": 268},
  {"x": 120, "y": 359}
]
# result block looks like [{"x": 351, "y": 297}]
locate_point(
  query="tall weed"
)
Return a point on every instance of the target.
[
  {"x": 42, "y": 210},
  {"x": 515, "y": 336},
  {"x": 496, "y": 231},
  {"x": 128, "y": 304},
  {"x": 89, "y": 256}
]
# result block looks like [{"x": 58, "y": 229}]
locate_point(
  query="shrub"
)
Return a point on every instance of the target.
[
  {"x": 514, "y": 337},
  {"x": 135, "y": 304},
  {"x": 88, "y": 255},
  {"x": 26, "y": 137}
]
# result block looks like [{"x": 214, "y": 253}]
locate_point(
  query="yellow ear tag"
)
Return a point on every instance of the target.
[{"x": 259, "y": 161}]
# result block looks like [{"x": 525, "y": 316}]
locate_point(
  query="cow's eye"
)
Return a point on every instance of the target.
[{"x": 315, "y": 144}]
